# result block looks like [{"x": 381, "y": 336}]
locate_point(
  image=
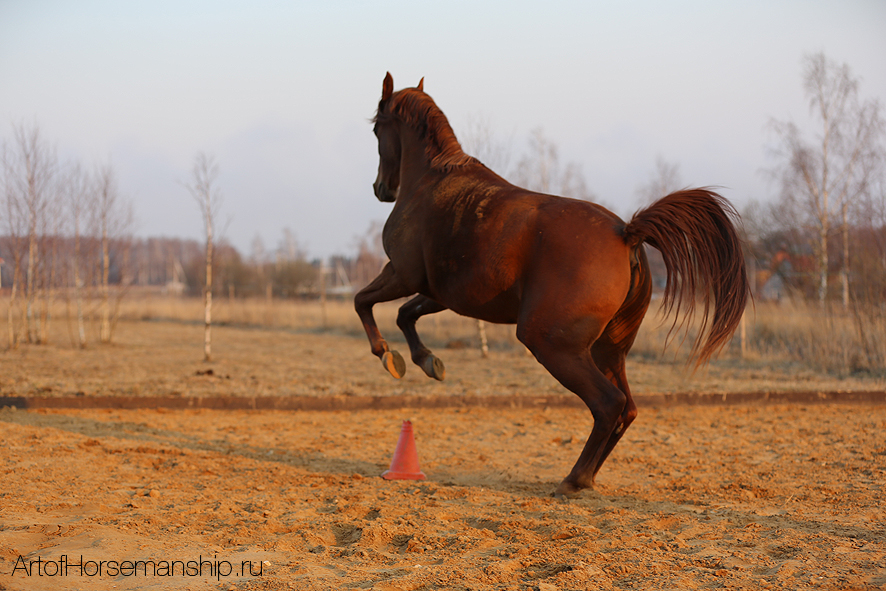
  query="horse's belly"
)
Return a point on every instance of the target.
[{"x": 502, "y": 308}]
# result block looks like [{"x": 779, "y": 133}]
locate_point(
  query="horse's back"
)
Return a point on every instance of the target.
[{"x": 494, "y": 245}]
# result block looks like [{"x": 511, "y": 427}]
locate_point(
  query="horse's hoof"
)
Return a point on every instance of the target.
[
  {"x": 394, "y": 363},
  {"x": 568, "y": 490},
  {"x": 433, "y": 367}
]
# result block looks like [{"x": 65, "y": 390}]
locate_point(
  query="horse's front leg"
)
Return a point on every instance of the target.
[
  {"x": 384, "y": 288},
  {"x": 409, "y": 314}
]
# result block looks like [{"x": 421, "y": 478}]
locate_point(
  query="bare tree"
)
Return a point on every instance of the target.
[
  {"x": 371, "y": 256},
  {"x": 77, "y": 194},
  {"x": 289, "y": 248},
  {"x": 830, "y": 172},
  {"x": 29, "y": 170},
  {"x": 106, "y": 194},
  {"x": 52, "y": 227},
  {"x": 15, "y": 224},
  {"x": 540, "y": 170},
  {"x": 480, "y": 140},
  {"x": 13, "y": 221},
  {"x": 291, "y": 270},
  {"x": 206, "y": 194},
  {"x": 113, "y": 222},
  {"x": 663, "y": 181},
  {"x": 38, "y": 168}
]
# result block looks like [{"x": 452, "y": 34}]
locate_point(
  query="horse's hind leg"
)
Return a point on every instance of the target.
[
  {"x": 611, "y": 348},
  {"x": 409, "y": 314},
  {"x": 565, "y": 354},
  {"x": 611, "y": 361},
  {"x": 384, "y": 288}
]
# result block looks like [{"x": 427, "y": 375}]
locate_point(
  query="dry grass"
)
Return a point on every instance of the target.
[
  {"x": 782, "y": 342},
  {"x": 837, "y": 342},
  {"x": 337, "y": 317}
]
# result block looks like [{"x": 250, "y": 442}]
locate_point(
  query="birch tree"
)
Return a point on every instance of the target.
[
  {"x": 828, "y": 173},
  {"x": 480, "y": 140},
  {"x": 202, "y": 188},
  {"x": 112, "y": 220},
  {"x": 29, "y": 170},
  {"x": 663, "y": 181},
  {"x": 52, "y": 227},
  {"x": 540, "y": 170},
  {"x": 14, "y": 225},
  {"x": 77, "y": 195},
  {"x": 105, "y": 200}
]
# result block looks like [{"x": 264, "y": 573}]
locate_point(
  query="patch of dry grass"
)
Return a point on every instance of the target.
[{"x": 795, "y": 346}]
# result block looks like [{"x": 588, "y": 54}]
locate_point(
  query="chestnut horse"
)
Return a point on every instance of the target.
[{"x": 570, "y": 274}]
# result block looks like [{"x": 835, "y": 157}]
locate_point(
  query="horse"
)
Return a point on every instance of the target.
[{"x": 570, "y": 274}]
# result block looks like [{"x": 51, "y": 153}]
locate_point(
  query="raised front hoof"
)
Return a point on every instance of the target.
[
  {"x": 570, "y": 490},
  {"x": 394, "y": 363},
  {"x": 433, "y": 367}
]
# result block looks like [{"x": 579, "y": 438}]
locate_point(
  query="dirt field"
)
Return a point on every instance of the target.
[{"x": 733, "y": 497}]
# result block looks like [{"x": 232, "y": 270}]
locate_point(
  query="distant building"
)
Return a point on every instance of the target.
[{"x": 774, "y": 282}]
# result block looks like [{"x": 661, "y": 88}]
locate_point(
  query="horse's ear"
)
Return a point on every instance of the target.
[
  {"x": 387, "y": 87},
  {"x": 421, "y": 84}
]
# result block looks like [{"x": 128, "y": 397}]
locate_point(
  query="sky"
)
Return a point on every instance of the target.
[{"x": 281, "y": 93}]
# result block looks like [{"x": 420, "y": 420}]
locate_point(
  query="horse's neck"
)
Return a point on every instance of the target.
[{"x": 414, "y": 160}]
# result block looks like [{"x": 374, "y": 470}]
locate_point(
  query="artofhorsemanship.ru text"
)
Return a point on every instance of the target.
[{"x": 66, "y": 566}]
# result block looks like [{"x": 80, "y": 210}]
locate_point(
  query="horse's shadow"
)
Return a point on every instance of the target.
[
  {"x": 316, "y": 462},
  {"x": 311, "y": 461}
]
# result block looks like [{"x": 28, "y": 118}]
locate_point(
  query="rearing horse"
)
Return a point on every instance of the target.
[{"x": 570, "y": 274}]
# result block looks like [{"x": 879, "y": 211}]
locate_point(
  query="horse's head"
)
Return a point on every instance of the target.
[{"x": 387, "y": 183}]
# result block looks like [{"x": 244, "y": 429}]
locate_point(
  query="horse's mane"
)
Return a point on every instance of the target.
[{"x": 418, "y": 110}]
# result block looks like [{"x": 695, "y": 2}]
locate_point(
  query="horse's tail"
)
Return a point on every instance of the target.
[{"x": 695, "y": 232}]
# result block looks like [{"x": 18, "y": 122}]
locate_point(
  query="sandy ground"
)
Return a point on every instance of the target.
[{"x": 732, "y": 497}]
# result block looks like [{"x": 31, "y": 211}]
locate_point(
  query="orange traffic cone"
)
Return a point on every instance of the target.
[{"x": 404, "y": 466}]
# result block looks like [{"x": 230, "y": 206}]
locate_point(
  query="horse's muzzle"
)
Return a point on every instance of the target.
[{"x": 383, "y": 193}]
